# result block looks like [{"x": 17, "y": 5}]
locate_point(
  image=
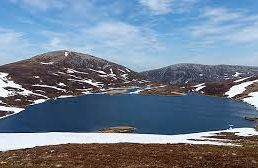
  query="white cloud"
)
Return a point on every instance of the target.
[
  {"x": 221, "y": 24},
  {"x": 120, "y": 34},
  {"x": 246, "y": 34},
  {"x": 12, "y": 44},
  {"x": 158, "y": 6},
  {"x": 9, "y": 37},
  {"x": 208, "y": 29},
  {"x": 41, "y": 4},
  {"x": 221, "y": 14},
  {"x": 107, "y": 30},
  {"x": 116, "y": 41}
]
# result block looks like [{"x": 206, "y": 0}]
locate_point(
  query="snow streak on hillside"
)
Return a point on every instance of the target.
[
  {"x": 252, "y": 98},
  {"x": 239, "y": 89}
]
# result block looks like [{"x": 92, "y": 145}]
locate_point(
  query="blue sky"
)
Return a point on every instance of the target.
[{"x": 140, "y": 34}]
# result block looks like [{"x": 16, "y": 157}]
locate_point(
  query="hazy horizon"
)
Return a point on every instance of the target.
[{"x": 139, "y": 34}]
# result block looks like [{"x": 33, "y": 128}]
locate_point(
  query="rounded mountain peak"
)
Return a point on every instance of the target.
[{"x": 63, "y": 55}]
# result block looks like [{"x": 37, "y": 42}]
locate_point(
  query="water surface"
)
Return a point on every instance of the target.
[{"x": 149, "y": 114}]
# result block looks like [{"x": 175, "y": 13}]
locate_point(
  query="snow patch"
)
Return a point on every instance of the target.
[
  {"x": 70, "y": 71},
  {"x": 241, "y": 80},
  {"x": 104, "y": 76},
  {"x": 125, "y": 76},
  {"x": 11, "y": 109},
  {"x": 121, "y": 70},
  {"x": 98, "y": 71},
  {"x": 237, "y": 74},
  {"x": 61, "y": 84},
  {"x": 47, "y": 63},
  {"x": 239, "y": 89},
  {"x": 111, "y": 71},
  {"x": 199, "y": 87},
  {"x": 39, "y": 101},
  {"x": 88, "y": 81},
  {"x": 8, "y": 141},
  {"x": 61, "y": 73},
  {"x": 65, "y": 96},
  {"x": 252, "y": 99},
  {"x": 127, "y": 70},
  {"x": 137, "y": 91},
  {"x": 86, "y": 91},
  {"x": 66, "y": 53},
  {"x": 7, "y": 83},
  {"x": 47, "y": 86},
  {"x": 75, "y": 71}
]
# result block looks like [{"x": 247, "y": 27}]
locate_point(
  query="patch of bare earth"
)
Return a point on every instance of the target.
[
  {"x": 217, "y": 89},
  {"x": 4, "y": 113}
]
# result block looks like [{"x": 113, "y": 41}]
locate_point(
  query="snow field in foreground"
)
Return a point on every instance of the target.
[{"x": 13, "y": 141}]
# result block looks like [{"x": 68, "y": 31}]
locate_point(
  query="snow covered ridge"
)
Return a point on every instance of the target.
[{"x": 13, "y": 141}]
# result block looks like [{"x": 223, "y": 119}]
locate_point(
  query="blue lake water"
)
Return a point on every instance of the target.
[{"x": 149, "y": 114}]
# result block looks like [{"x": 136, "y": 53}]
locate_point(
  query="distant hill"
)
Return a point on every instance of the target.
[{"x": 197, "y": 73}]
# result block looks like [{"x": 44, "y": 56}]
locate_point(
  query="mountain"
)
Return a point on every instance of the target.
[
  {"x": 197, "y": 73},
  {"x": 59, "y": 73}
]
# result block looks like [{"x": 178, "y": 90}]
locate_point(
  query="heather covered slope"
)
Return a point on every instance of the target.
[{"x": 132, "y": 155}]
